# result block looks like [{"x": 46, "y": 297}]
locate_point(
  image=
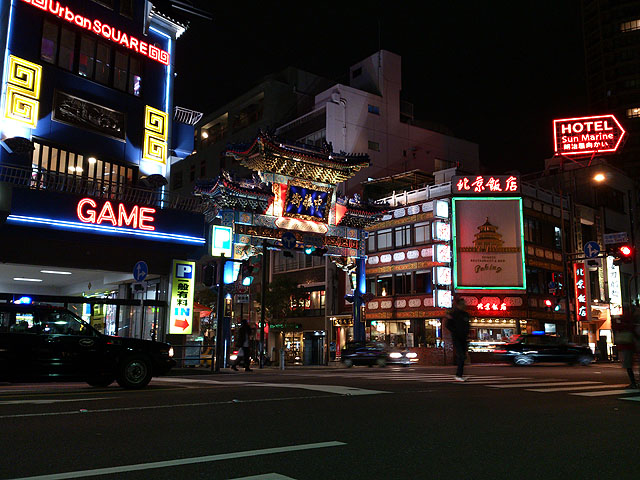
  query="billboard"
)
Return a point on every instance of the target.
[
  {"x": 182, "y": 290},
  {"x": 488, "y": 243},
  {"x": 587, "y": 135}
]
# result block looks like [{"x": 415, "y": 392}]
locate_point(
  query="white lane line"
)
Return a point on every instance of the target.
[
  {"x": 608, "y": 392},
  {"x": 633, "y": 399},
  {"x": 547, "y": 384},
  {"x": 51, "y": 400},
  {"x": 266, "y": 476},
  {"x": 180, "y": 461},
  {"x": 566, "y": 389}
]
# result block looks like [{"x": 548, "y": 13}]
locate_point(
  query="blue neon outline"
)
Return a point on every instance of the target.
[
  {"x": 104, "y": 229},
  {"x": 166, "y": 98}
]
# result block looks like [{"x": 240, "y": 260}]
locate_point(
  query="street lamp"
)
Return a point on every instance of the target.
[{"x": 599, "y": 177}]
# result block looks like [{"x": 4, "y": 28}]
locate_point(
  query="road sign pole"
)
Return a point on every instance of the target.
[
  {"x": 220, "y": 353},
  {"x": 263, "y": 289}
]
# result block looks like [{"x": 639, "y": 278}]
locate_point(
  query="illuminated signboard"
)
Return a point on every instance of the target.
[
  {"x": 441, "y": 209},
  {"x": 307, "y": 201},
  {"x": 580, "y": 282},
  {"x": 587, "y": 135},
  {"x": 23, "y": 91},
  {"x": 221, "y": 241},
  {"x": 442, "y": 275},
  {"x": 441, "y": 231},
  {"x": 485, "y": 184},
  {"x": 488, "y": 243},
  {"x": 182, "y": 289},
  {"x": 102, "y": 29},
  {"x": 136, "y": 217},
  {"x": 154, "y": 146},
  {"x": 441, "y": 253},
  {"x": 492, "y": 307},
  {"x": 615, "y": 287},
  {"x": 443, "y": 298}
]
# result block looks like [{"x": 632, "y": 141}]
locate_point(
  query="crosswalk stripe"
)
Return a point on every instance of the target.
[
  {"x": 546, "y": 384},
  {"x": 633, "y": 399},
  {"x": 608, "y": 392},
  {"x": 566, "y": 389}
]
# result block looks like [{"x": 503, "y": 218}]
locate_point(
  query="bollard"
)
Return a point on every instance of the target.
[{"x": 282, "y": 359}]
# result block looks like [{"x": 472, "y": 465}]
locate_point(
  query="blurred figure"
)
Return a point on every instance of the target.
[
  {"x": 244, "y": 336},
  {"x": 457, "y": 322},
  {"x": 624, "y": 336}
]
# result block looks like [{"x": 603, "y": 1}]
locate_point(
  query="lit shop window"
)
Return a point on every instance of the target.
[
  {"x": 630, "y": 26},
  {"x": 633, "y": 112},
  {"x": 373, "y": 109}
]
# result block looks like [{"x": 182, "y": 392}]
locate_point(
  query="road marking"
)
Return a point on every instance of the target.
[
  {"x": 266, "y": 476},
  {"x": 633, "y": 399},
  {"x": 50, "y": 400},
  {"x": 564, "y": 389},
  {"x": 181, "y": 461},
  {"x": 548, "y": 384},
  {"x": 608, "y": 392}
]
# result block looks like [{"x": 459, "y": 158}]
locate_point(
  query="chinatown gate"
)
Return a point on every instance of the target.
[{"x": 290, "y": 204}]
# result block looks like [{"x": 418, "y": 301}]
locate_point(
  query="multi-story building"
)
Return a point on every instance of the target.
[{"x": 87, "y": 129}]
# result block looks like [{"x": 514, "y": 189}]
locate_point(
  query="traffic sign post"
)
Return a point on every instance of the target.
[
  {"x": 140, "y": 271},
  {"x": 591, "y": 249},
  {"x": 288, "y": 240}
]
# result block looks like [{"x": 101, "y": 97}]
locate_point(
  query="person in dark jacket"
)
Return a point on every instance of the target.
[
  {"x": 244, "y": 335},
  {"x": 457, "y": 322}
]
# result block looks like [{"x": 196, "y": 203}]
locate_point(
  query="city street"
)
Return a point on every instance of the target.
[{"x": 549, "y": 421}]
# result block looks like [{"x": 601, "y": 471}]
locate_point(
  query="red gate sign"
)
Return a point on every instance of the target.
[{"x": 587, "y": 135}]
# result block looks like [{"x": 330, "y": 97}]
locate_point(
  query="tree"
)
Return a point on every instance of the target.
[{"x": 281, "y": 295}]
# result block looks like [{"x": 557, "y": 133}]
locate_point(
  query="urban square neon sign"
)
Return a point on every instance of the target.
[
  {"x": 102, "y": 29},
  {"x": 138, "y": 217},
  {"x": 586, "y": 135}
]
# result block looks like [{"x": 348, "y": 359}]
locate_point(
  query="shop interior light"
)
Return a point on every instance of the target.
[
  {"x": 24, "y": 279},
  {"x": 55, "y": 272},
  {"x": 92, "y": 160}
]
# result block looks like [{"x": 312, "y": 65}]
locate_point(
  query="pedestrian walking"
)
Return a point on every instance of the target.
[
  {"x": 244, "y": 336},
  {"x": 624, "y": 336},
  {"x": 457, "y": 322}
]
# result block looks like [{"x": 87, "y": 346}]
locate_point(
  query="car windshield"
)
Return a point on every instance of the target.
[{"x": 62, "y": 322}]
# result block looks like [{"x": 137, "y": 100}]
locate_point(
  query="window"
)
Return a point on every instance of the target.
[
  {"x": 422, "y": 232},
  {"x": 402, "y": 283},
  {"x": 373, "y": 109},
  {"x": 67, "y": 49},
  {"x": 385, "y": 239},
  {"x": 403, "y": 236},
  {"x": 531, "y": 230},
  {"x": 126, "y": 8},
  {"x": 176, "y": 180},
  {"x": 120, "y": 67},
  {"x": 375, "y": 146},
  {"x": 384, "y": 287},
  {"x": 62, "y": 323},
  {"x": 5, "y": 321},
  {"x": 357, "y": 72},
  {"x": 87, "y": 60},
  {"x": 633, "y": 112},
  {"x": 557, "y": 237},
  {"x": 49, "y": 45},
  {"x": 423, "y": 282},
  {"x": 192, "y": 173},
  {"x": 533, "y": 281},
  {"x": 25, "y": 323},
  {"x": 135, "y": 76},
  {"x": 630, "y": 26},
  {"x": 371, "y": 242}
]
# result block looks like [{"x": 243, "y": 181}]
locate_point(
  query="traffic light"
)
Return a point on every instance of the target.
[
  {"x": 547, "y": 304},
  {"x": 249, "y": 268},
  {"x": 625, "y": 253},
  {"x": 209, "y": 274},
  {"x": 318, "y": 252},
  {"x": 556, "y": 306}
]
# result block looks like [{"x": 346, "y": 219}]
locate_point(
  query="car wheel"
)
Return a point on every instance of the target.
[
  {"x": 381, "y": 362},
  {"x": 134, "y": 372},
  {"x": 523, "y": 360},
  {"x": 584, "y": 360},
  {"x": 101, "y": 380},
  {"x": 348, "y": 363}
]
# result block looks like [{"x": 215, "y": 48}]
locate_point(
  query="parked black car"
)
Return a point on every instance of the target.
[
  {"x": 42, "y": 342},
  {"x": 529, "y": 349},
  {"x": 375, "y": 353}
]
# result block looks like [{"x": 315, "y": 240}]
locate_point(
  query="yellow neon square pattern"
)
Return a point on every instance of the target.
[
  {"x": 155, "y": 121},
  {"x": 154, "y": 148},
  {"x": 155, "y": 135},
  {"x": 25, "y": 75},
  {"x": 23, "y": 91}
]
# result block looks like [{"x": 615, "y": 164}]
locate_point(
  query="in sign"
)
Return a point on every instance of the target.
[{"x": 587, "y": 135}]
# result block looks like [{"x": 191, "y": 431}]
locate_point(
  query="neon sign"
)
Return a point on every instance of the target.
[
  {"x": 492, "y": 306},
  {"x": 182, "y": 289},
  {"x": 496, "y": 184},
  {"x": 137, "y": 217},
  {"x": 102, "y": 29},
  {"x": 586, "y": 135},
  {"x": 581, "y": 291}
]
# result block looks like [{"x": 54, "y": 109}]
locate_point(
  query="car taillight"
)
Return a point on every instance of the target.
[{"x": 499, "y": 351}]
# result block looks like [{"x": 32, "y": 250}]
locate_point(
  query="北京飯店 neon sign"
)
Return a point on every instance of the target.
[
  {"x": 138, "y": 217},
  {"x": 102, "y": 29}
]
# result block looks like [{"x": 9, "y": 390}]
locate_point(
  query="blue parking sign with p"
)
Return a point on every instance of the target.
[
  {"x": 221, "y": 241},
  {"x": 184, "y": 270}
]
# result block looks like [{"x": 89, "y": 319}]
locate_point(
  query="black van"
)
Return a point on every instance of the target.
[{"x": 51, "y": 343}]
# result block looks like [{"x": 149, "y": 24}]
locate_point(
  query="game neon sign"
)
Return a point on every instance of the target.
[
  {"x": 586, "y": 135},
  {"x": 138, "y": 217},
  {"x": 102, "y": 29}
]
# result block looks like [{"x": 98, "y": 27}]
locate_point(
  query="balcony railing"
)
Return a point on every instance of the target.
[{"x": 47, "y": 180}]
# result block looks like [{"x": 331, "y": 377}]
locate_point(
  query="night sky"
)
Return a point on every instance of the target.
[{"x": 493, "y": 73}]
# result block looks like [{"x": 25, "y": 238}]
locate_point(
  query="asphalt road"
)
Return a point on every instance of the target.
[{"x": 546, "y": 422}]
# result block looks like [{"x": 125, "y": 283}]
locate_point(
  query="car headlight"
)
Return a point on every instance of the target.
[
  {"x": 233, "y": 357},
  {"x": 170, "y": 352},
  {"x": 412, "y": 354},
  {"x": 395, "y": 355}
]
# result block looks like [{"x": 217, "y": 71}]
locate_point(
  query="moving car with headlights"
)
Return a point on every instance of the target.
[
  {"x": 51, "y": 343},
  {"x": 375, "y": 353},
  {"x": 531, "y": 348}
]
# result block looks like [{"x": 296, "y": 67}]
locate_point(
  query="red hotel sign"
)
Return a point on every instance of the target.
[
  {"x": 99, "y": 28},
  {"x": 587, "y": 135}
]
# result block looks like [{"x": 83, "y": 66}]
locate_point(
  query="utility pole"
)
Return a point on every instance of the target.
[
  {"x": 263, "y": 290},
  {"x": 220, "y": 351}
]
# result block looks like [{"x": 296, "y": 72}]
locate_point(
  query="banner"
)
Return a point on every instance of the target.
[{"x": 488, "y": 243}]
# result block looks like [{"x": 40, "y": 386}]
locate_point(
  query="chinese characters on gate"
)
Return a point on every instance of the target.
[
  {"x": 581, "y": 291},
  {"x": 486, "y": 184}
]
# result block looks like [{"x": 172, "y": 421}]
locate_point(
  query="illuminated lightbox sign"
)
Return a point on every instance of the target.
[
  {"x": 441, "y": 231},
  {"x": 307, "y": 201},
  {"x": 442, "y": 275},
  {"x": 580, "y": 282},
  {"x": 441, "y": 253},
  {"x": 485, "y": 185},
  {"x": 587, "y": 135},
  {"x": 488, "y": 243},
  {"x": 615, "y": 287},
  {"x": 221, "y": 241},
  {"x": 104, "y": 30},
  {"x": 182, "y": 289},
  {"x": 443, "y": 298},
  {"x": 441, "y": 209},
  {"x": 99, "y": 216},
  {"x": 494, "y": 307}
]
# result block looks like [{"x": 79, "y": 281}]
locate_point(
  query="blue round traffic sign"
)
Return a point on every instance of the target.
[
  {"x": 591, "y": 249},
  {"x": 140, "y": 271},
  {"x": 288, "y": 240}
]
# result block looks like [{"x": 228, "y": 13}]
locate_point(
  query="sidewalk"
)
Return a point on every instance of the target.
[{"x": 182, "y": 371}]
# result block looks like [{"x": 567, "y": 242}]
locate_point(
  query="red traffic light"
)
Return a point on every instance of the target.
[
  {"x": 625, "y": 250},
  {"x": 547, "y": 303}
]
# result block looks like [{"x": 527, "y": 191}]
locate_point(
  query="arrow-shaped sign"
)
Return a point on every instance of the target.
[{"x": 182, "y": 323}]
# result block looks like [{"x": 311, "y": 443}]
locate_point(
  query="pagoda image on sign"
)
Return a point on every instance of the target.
[{"x": 489, "y": 240}]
